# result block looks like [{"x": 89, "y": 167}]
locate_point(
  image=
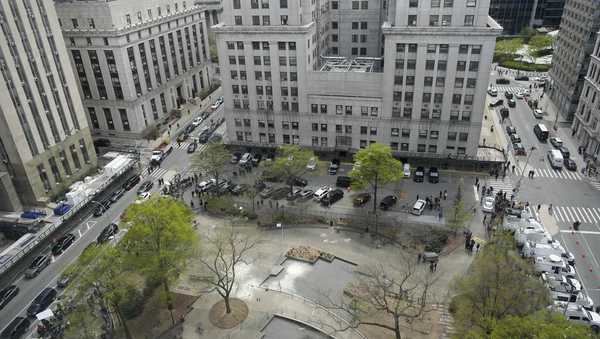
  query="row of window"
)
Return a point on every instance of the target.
[
  {"x": 237, "y": 4},
  {"x": 264, "y": 45},
  {"x": 266, "y": 75},
  {"x": 442, "y": 20},
  {"x": 409, "y": 80},
  {"x": 438, "y": 3},
  {"x": 53, "y": 164},
  {"x": 256, "y": 20},
  {"x": 438, "y": 98},
  {"x": 344, "y": 109},
  {"x": 263, "y": 60},
  {"x": 442, "y": 48}
]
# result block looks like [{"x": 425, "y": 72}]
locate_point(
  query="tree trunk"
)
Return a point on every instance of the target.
[
  {"x": 227, "y": 306},
  {"x": 375, "y": 187},
  {"x": 397, "y": 328},
  {"x": 168, "y": 299},
  {"x": 122, "y": 321}
]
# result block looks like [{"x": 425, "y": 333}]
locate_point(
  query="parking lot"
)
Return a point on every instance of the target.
[{"x": 406, "y": 191}]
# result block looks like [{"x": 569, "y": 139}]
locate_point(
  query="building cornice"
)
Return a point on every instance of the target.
[
  {"x": 228, "y": 29},
  {"x": 493, "y": 29}
]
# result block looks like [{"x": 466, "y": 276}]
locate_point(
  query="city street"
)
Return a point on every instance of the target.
[
  {"x": 572, "y": 196},
  {"x": 89, "y": 227}
]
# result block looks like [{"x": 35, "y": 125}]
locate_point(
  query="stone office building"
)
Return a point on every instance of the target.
[
  {"x": 417, "y": 83},
  {"x": 136, "y": 61}
]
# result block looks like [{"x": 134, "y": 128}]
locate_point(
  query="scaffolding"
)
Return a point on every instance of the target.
[{"x": 343, "y": 64}]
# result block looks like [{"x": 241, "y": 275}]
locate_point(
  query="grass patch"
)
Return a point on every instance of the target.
[{"x": 524, "y": 66}]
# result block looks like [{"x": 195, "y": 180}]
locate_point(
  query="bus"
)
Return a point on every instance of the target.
[{"x": 541, "y": 132}]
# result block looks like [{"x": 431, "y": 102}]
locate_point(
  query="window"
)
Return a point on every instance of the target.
[
  {"x": 363, "y": 130},
  {"x": 411, "y": 64},
  {"x": 241, "y": 60},
  {"x": 240, "y": 45},
  {"x": 440, "y": 81},
  {"x": 456, "y": 99},
  {"x": 473, "y": 66},
  {"x": 413, "y": 3},
  {"x": 348, "y": 110},
  {"x": 463, "y": 49},
  {"x": 266, "y": 62},
  {"x": 446, "y": 20},
  {"x": 282, "y": 61},
  {"x": 412, "y": 48},
  {"x": 404, "y": 147},
  {"x": 463, "y": 136},
  {"x": 476, "y": 49},
  {"x": 334, "y": 5},
  {"x": 314, "y": 108},
  {"x": 408, "y": 96},
  {"x": 109, "y": 120},
  {"x": 471, "y": 83},
  {"x": 431, "y": 48},
  {"x": 230, "y": 45},
  {"x": 461, "y": 66},
  {"x": 323, "y": 127},
  {"x": 76, "y": 24},
  {"x": 363, "y": 25},
  {"x": 373, "y": 131},
  {"x": 436, "y": 114},
  {"x": 258, "y": 75},
  {"x": 424, "y": 114},
  {"x": 364, "y": 110},
  {"x": 452, "y": 136},
  {"x": 293, "y": 76},
  {"x": 435, "y": 3},
  {"x": 259, "y": 90},
  {"x": 400, "y": 48},
  {"x": 255, "y": 20},
  {"x": 466, "y": 116},
  {"x": 395, "y": 132},
  {"x": 410, "y": 80},
  {"x": 264, "y": 4},
  {"x": 399, "y": 63},
  {"x": 355, "y": 5},
  {"x": 257, "y": 60},
  {"x": 443, "y": 49},
  {"x": 254, "y": 4},
  {"x": 292, "y": 46},
  {"x": 407, "y": 112},
  {"x": 421, "y": 148},
  {"x": 438, "y": 98},
  {"x": 453, "y": 115},
  {"x": 468, "y": 99},
  {"x": 283, "y": 4},
  {"x": 284, "y": 20},
  {"x": 434, "y": 20},
  {"x": 432, "y": 148},
  {"x": 448, "y": 3},
  {"x": 355, "y": 24},
  {"x": 471, "y": 3},
  {"x": 426, "y": 97},
  {"x": 315, "y": 127},
  {"x": 428, "y": 81},
  {"x": 429, "y": 64},
  {"x": 441, "y": 65},
  {"x": 238, "y": 20},
  {"x": 469, "y": 19},
  {"x": 265, "y": 45},
  {"x": 412, "y": 20},
  {"x": 364, "y": 5},
  {"x": 459, "y": 82},
  {"x": 323, "y": 108}
]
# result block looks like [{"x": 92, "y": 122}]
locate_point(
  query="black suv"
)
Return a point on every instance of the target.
[
  {"x": 387, "y": 202},
  {"x": 16, "y": 329},
  {"x": 333, "y": 167},
  {"x": 7, "y": 294},
  {"x": 419, "y": 174},
  {"x": 42, "y": 301},
  {"x": 564, "y": 151},
  {"x": 103, "y": 207},
  {"x": 297, "y": 181},
  {"x": 145, "y": 187},
  {"x": 508, "y": 95},
  {"x": 434, "y": 175},
  {"x": 108, "y": 232},
  {"x": 116, "y": 195},
  {"x": 502, "y": 81},
  {"x": 63, "y": 243},
  {"x": 332, "y": 197},
  {"x": 131, "y": 182},
  {"x": 343, "y": 181},
  {"x": 38, "y": 264}
]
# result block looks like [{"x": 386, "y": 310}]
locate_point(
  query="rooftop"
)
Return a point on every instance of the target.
[{"x": 343, "y": 64}]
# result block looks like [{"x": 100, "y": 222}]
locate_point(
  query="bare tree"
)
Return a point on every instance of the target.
[
  {"x": 225, "y": 251},
  {"x": 387, "y": 297}
]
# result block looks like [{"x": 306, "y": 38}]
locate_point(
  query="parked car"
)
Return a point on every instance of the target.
[
  {"x": 63, "y": 243},
  {"x": 239, "y": 189},
  {"x": 419, "y": 174},
  {"x": 332, "y": 197},
  {"x": 343, "y": 181},
  {"x": 16, "y": 329},
  {"x": 146, "y": 186},
  {"x": 406, "y": 170},
  {"x": 510, "y": 130},
  {"x": 235, "y": 157},
  {"x": 245, "y": 159},
  {"x": 519, "y": 149},
  {"x": 508, "y": 95},
  {"x": 297, "y": 181},
  {"x": 515, "y": 138},
  {"x": 312, "y": 164},
  {"x": 189, "y": 129},
  {"x": 37, "y": 265},
  {"x": 182, "y": 137},
  {"x": 42, "y": 301},
  {"x": 492, "y": 91},
  {"x": 519, "y": 95},
  {"x": 361, "y": 199},
  {"x": 387, "y": 202},
  {"x": 502, "y": 81},
  {"x": 259, "y": 185},
  {"x": 512, "y": 103},
  {"x": 107, "y": 233},
  {"x": 488, "y": 204},
  {"x": 256, "y": 158},
  {"x": 206, "y": 185},
  {"x": 521, "y": 78},
  {"x": 556, "y": 142},
  {"x": 197, "y": 121},
  {"x": 131, "y": 182},
  {"x": 102, "y": 207},
  {"x": 418, "y": 207},
  {"x": 7, "y": 294},
  {"x": 579, "y": 315},
  {"x": 306, "y": 194},
  {"x": 564, "y": 151},
  {"x": 538, "y": 114},
  {"x": 496, "y": 103},
  {"x": 333, "y": 166},
  {"x": 192, "y": 147},
  {"x": 321, "y": 192},
  {"x": 293, "y": 195},
  {"x": 116, "y": 195},
  {"x": 102, "y": 142},
  {"x": 266, "y": 192},
  {"x": 570, "y": 164},
  {"x": 280, "y": 193},
  {"x": 434, "y": 175}
]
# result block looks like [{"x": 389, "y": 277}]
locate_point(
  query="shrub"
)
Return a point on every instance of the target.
[
  {"x": 524, "y": 66},
  {"x": 132, "y": 304}
]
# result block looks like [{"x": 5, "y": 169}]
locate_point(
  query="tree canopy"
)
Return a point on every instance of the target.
[
  {"x": 508, "y": 47},
  {"x": 212, "y": 160},
  {"x": 542, "y": 324},
  {"x": 499, "y": 284},
  {"x": 290, "y": 162},
  {"x": 459, "y": 214}
]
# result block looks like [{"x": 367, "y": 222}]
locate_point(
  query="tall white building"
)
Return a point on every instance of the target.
[
  {"x": 45, "y": 142},
  {"x": 586, "y": 122},
  {"x": 136, "y": 61},
  {"x": 337, "y": 76}
]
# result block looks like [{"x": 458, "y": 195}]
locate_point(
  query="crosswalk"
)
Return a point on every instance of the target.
[
  {"x": 552, "y": 173},
  {"x": 158, "y": 172},
  {"x": 570, "y": 214},
  {"x": 506, "y": 88},
  {"x": 504, "y": 185}
]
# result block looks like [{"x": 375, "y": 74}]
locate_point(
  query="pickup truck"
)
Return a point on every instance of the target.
[{"x": 160, "y": 154}]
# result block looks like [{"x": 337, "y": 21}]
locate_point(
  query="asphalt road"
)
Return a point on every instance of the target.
[
  {"x": 86, "y": 228},
  {"x": 571, "y": 195}
]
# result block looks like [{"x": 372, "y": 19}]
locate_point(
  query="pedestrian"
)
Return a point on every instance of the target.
[
  {"x": 419, "y": 257},
  {"x": 431, "y": 267},
  {"x": 435, "y": 266},
  {"x": 483, "y": 189},
  {"x": 445, "y": 194},
  {"x": 496, "y": 175},
  {"x": 504, "y": 174},
  {"x": 440, "y": 195},
  {"x": 192, "y": 203},
  {"x": 477, "y": 186},
  {"x": 417, "y": 197},
  {"x": 513, "y": 168},
  {"x": 550, "y": 209},
  {"x": 538, "y": 208},
  {"x": 477, "y": 248},
  {"x": 471, "y": 245},
  {"x": 484, "y": 218},
  {"x": 477, "y": 181}
]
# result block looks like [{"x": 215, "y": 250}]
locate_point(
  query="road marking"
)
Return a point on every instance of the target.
[
  {"x": 587, "y": 215},
  {"x": 580, "y": 216},
  {"x": 581, "y": 232},
  {"x": 79, "y": 232},
  {"x": 476, "y": 193},
  {"x": 558, "y": 213},
  {"x": 577, "y": 271}
]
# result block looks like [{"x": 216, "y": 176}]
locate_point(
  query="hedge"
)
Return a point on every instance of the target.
[{"x": 524, "y": 66}]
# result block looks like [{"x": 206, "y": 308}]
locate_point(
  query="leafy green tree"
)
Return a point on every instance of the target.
[
  {"x": 459, "y": 215},
  {"x": 374, "y": 167},
  {"x": 542, "y": 324},
  {"x": 499, "y": 284},
  {"x": 527, "y": 33},
  {"x": 160, "y": 240},
  {"x": 290, "y": 162},
  {"x": 506, "y": 48},
  {"x": 83, "y": 324},
  {"x": 538, "y": 43},
  {"x": 212, "y": 160}
]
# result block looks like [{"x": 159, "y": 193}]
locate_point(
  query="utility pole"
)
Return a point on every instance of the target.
[{"x": 518, "y": 185}]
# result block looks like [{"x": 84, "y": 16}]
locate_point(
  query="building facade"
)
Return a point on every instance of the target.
[
  {"x": 45, "y": 141},
  {"x": 136, "y": 61},
  {"x": 586, "y": 125},
  {"x": 548, "y": 13},
  {"x": 286, "y": 80},
  {"x": 515, "y": 15},
  {"x": 573, "y": 46}
]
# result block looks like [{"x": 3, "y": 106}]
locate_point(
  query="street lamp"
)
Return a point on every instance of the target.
[{"x": 518, "y": 185}]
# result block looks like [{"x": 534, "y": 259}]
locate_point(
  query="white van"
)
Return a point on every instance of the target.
[
  {"x": 245, "y": 159},
  {"x": 406, "y": 170},
  {"x": 418, "y": 207},
  {"x": 554, "y": 264},
  {"x": 555, "y": 158},
  {"x": 532, "y": 249}
]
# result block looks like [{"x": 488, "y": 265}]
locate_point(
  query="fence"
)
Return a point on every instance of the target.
[{"x": 56, "y": 224}]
